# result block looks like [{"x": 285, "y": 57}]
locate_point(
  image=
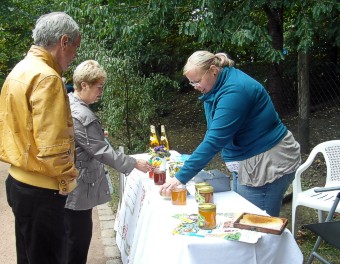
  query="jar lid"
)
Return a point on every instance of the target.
[
  {"x": 206, "y": 189},
  {"x": 207, "y": 206},
  {"x": 179, "y": 187},
  {"x": 200, "y": 184}
]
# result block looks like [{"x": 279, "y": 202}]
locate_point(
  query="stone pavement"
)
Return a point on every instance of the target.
[
  {"x": 106, "y": 218},
  {"x": 103, "y": 248}
]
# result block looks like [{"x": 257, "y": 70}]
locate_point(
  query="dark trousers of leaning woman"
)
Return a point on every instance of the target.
[{"x": 78, "y": 224}]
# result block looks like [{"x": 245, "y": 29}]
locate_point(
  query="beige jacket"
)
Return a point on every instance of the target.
[{"x": 36, "y": 128}]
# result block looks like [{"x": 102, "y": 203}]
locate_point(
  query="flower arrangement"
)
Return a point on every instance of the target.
[
  {"x": 159, "y": 156},
  {"x": 159, "y": 152}
]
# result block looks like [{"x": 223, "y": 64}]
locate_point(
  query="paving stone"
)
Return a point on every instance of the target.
[
  {"x": 107, "y": 224},
  {"x": 101, "y": 206},
  {"x": 107, "y": 211},
  {"x": 107, "y": 220},
  {"x": 114, "y": 261},
  {"x": 109, "y": 241},
  {"x": 106, "y": 217},
  {"x": 112, "y": 252},
  {"x": 108, "y": 232}
]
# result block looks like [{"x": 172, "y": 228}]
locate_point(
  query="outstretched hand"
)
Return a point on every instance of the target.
[
  {"x": 166, "y": 188},
  {"x": 143, "y": 165}
]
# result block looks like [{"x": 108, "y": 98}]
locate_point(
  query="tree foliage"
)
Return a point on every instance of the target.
[
  {"x": 144, "y": 44},
  {"x": 17, "y": 20},
  {"x": 138, "y": 60}
]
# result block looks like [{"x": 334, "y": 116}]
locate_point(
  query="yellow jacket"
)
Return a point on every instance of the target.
[{"x": 36, "y": 128}]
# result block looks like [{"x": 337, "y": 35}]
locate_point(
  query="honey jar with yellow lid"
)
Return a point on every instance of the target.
[
  {"x": 205, "y": 194},
  {"x": 200, "y": 185},
  {"x": 207, "y": 216}
]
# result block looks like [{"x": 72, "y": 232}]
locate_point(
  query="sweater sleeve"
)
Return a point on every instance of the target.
[
  {"x": 229, "y": 114},
  {"x": 91, "y": 139}
]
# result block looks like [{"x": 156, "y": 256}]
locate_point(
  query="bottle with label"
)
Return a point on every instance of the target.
[
  {"x": 153, "y": 142},
  {"x": 164, "y": 139}
]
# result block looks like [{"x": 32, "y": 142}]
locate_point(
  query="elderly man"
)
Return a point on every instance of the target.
[{"x": 36, "y": 138}]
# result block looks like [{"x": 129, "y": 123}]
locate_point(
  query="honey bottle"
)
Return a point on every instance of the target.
[
  {"x": 153, "y": 142},
  {"x": 164, "y": 139}
]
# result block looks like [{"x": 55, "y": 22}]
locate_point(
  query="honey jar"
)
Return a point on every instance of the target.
[
  {"x": 159, "y": 176},
  {"x": 199, "y": 185},
  {"x": 179, "y": 195},
  {"x": 205, "y": 194},
  {"x": 207, "y": 216},
  {"x": 151, "y": 174}
]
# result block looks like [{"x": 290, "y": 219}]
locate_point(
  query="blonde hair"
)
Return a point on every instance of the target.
[
  {"x": 89, "y": 71},
  {"x": 204, "y": 59}
]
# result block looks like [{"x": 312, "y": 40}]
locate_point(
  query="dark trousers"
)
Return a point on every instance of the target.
[
  {"x": 39, "y": 222},
  {"x": 78, "y": 225}
]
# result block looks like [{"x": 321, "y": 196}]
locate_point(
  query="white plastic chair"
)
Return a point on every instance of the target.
[{"x": 319, "y": 201}]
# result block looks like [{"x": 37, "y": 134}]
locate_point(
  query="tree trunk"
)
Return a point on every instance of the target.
[
  {"x": 275, "y": 71},
  {"x": 303, "y": 101}
]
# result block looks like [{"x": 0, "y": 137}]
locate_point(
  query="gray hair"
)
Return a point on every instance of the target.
[
  {"x": 51, "y": 27},
  {"x": 204, "y": 59}
]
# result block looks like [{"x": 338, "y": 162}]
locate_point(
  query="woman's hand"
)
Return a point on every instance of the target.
[
  {"x": 166, "y": 188},
  {"x": 143, "y": 165}
]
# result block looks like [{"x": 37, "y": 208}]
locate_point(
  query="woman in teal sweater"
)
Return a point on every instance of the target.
[{"x": 243, "y": 123}]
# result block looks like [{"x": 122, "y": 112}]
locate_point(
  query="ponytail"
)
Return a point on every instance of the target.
[{"x": 224, "y": 60}]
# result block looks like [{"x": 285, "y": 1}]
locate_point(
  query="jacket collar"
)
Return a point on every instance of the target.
[
  {"x": 44, "y": 55},
  {"x": 76, "y": 99},
  {"x": 221, "y": 80}
]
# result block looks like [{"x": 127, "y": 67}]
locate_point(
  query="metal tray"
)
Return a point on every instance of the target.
[{"x": 237, "y": 224}]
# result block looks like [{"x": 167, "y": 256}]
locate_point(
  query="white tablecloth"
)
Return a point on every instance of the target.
[{"x": 144, "y": 225}]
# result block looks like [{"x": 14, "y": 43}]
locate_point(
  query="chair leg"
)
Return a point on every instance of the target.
[
  {"x": 319, "y": 240},
  {"x": 315, "y": 248},
  {"x": 321, "y": 216},
  {"x": 294, "y": 221}
]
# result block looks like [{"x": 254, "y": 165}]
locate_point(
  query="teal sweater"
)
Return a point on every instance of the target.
[{"x": 241, "y": 121}]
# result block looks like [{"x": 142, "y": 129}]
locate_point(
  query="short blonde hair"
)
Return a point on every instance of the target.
[
  {"x": 89, "y": 71},
  {"x": 204, "y": 59}
]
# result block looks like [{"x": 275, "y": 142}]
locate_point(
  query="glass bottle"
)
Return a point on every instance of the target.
[
  {"x": 153, "y": 142},
  {"x": 164, "y": 139}
]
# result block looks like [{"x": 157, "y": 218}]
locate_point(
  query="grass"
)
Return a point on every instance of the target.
[{"x": 185, "y": 125}]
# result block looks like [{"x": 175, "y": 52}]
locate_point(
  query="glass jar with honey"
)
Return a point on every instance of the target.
[
  {"x": 205, "y": 194},
  {"x": 179, "y": 195},
  {"x": 199, "y": 185},
  {"x": 159, "y": 176},
  {"x": 207, "y": 216},
  {"x": 151, "y": 173}
]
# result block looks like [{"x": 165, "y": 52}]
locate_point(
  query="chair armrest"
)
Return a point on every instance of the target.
[
  {"x": 304, "y": 166},
  {"x": 327, "y": 189}
]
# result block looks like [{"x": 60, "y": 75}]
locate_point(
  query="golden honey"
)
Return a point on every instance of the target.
[
  {"x": 205, "y": 194},
  {"x": 207, "y": 216},
  {"x": 179, "y": 195},
  {"x": 199, "y": 185}
]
